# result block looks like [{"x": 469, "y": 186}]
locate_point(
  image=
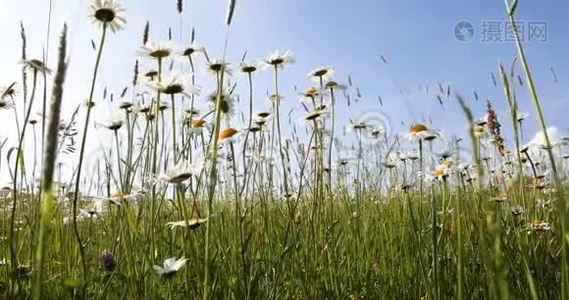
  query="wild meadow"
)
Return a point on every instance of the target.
[{"x": 237, "y": 203}]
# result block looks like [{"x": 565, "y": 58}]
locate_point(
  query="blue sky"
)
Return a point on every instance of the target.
[{"x": 416, "y": 37}]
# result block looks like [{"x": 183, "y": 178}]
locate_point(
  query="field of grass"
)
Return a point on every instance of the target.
[{"x": 184, "y": 204}]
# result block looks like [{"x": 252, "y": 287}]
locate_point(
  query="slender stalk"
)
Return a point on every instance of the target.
[{"x": 82, "y": 151}]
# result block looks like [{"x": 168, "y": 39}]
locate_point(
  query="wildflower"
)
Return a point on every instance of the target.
[
  {"x": 191, "y": 224},
  {"x": 107, "y": 13},
  {"x": 190, "y": 50},
  {"x": 170, "y": 266},
  {"x": 107, "y": 260},
  {"x": 521, "y": 116},
  {"x": 227, "y": 103},
  {"x": 314, "y": 115},
  {"x": 540, "y": 226},
  {"x": 113, "y": 125},
  {"x": 198, "y": 123},
  {"x": 7, "y": 104},
  {"x": 8, "y": 91},
  {"x": 227, "y": 133},
  {"x": 36, "y": 65},
  {"x": 441, "y": 172},
  {"x": 516, "y": 210},
  {"x": 144, "y": 109},
  {"x": 311, "y": 92},
  {"x": 126, "y": 105},
  {"x": 417, "y": 128},
  {"x": 216, "y": 66},
  {"x": 177, "y": 174},
  {"x": 322, "y": 73},
  {"x": 331, "y": 84},
  {"x": 275, "y": 98},
  {"x": 249, "y": 67},
  {"x": 478, "y": 131},
  {"x": 174, "y": 84},
  {"x": 151, "y": 74},
  {"x": 158, "y": 50},
  {"x": 279, "y": 59},
  {"x": 263, "y": 114},
  {"x": 499, "y": 199}
]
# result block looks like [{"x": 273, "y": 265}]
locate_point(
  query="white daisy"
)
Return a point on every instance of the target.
[
  {"x": 192, "y": 224},
  {"x": 178, "y": 173},
  {"x": 157, "y": 50},
  {"x": 170, "y": 266},
  {"x": 107, "y": 13},
  {"x": 279, "y": 58},
  {"x": 172, "y": 84}
]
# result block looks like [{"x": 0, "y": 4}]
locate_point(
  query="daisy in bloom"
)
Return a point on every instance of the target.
[
  {"x": 177, "y": 174},
  {"x": 114, "y": 124},
  {"x": 279, "y": 59},
  {"x": 421, "y": 131},
  {"x": 521, "y": 116},
  {"x": 441, "y": 172},
  {"x": 198, "y": 123},
  {"x": 192, "y": 49},
  {"x": 192, "y": 224},
  {"x": 6, "y": 104},
  {"x": 331, "y": 84},
  {"x": 107, "y": 13},
  {"x": 36, "y": 65},
  {"x": 172, "y": 84},
  {"x": 322, "y": 73},
  {"x": 227, "y": 133},
  {"x": 227, "y": 104},
  {"x": 158, "y": 50},
  {"x": 8, "y": 91},
  {"x": 478, "y": 131},
  {"x": 170, "y": 266},
  {"x": 215, "y": 66},
  {"x": 315, "y": 115},
  {"x": 310, "y": 93},
  {"x": 249, "y": 68}
]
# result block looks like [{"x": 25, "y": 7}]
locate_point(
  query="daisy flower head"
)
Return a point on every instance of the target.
[
  {"x": 322, "y": 73},
  {"x": 170, "y": 266},
  {"x": 7, "y": 104},
  {"x": 421, "y": 131},
  {"x": 249, "y": 68},
  {"x": 113, "y": 124},
  {"x": 36, "y": 65},
  {"x": 478, "y": 131},
  {"x": 8, "y": 91},
  {"x": 279, "y": 59},
  {"x": 227, "y": 102},
  {"x": 227, "y": 133},
  {"x": 107, "y": 13},
  {"x": 521, "y": 116},
  {"x": 310, "y": 93},
  {"x": 158, "y": 50},
  {"x": 441, "y": 172},
  {"x": 191, "y": 224},
  {"x": 190, "y": 50},
  {"x": 334, "y": 85},
  {"x": 177, "y": 174},
  {"x": 198, "y": 123},
  {"x": 172, "y": 84},
  {"x": 315, "y": 115},
  {"x": 215, "y": 67}
]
